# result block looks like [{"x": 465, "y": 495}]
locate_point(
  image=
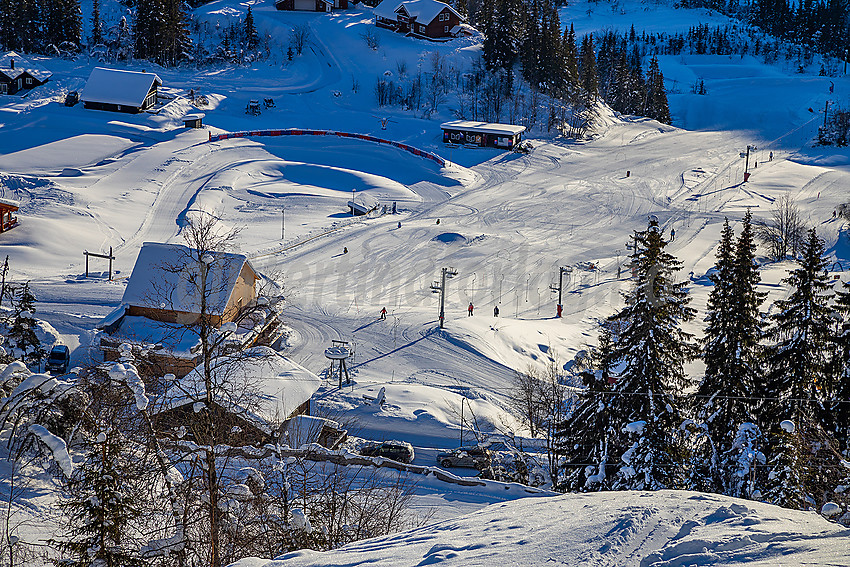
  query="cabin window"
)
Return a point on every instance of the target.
[
  {"x": 4, "y": 88},
  {"x": 446, "y": 29},
  {"x": 29, "y": 80}
]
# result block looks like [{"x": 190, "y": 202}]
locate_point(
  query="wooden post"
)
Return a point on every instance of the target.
[
  {"x": 111, "y": 257},
  {"x": 87, "y": 262}
]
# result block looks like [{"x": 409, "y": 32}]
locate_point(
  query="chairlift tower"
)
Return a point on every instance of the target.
[
  {"x": 440, "y": 287},
  {"x": 338, "y": 353},
  {"x": 559, "y": 287}
]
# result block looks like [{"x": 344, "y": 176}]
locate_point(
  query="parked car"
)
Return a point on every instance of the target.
[
  {"x": 395, "y": 450},
  {"x": 472, "y": 456},
  {"x": 58, "y": 359},
  {"x": 72, "y": 98}
]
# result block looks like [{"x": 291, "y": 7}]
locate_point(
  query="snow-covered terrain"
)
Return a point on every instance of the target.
[
  {"x": 91, "y": 180},
  {"x": 660, "y": 529}
]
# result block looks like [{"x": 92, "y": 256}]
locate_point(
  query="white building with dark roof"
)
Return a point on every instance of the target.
[{"x": 120, "y": 91}]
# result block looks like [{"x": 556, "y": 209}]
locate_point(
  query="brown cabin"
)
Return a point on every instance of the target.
[
  {"x": 7, "y": 220},
  {"x": 428, "y": 19}
]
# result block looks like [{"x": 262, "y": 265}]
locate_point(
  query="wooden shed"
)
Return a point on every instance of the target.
[
  {"x": 120, "y": 91},
  {"x": 482, "y": 134},
  {"x": 7, "y": 220}
]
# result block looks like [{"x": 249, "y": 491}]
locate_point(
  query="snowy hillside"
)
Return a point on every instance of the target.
[
  {"x": 660, "y": 529},
  {"x": 90, "y": 180}
]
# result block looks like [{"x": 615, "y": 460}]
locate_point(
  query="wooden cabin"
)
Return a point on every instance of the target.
[
  {"x": 17, "y": 74},
  {"x": 428, "y": 19},
  {"x": 162, "y": 303},
  {"x": 7, "y": 219},
  {"x": 118, "y": 90}
]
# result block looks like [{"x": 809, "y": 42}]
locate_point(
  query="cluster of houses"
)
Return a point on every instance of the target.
[{"x": 268, "y": 398}]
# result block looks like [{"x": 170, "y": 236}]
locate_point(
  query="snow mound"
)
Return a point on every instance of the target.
[
  {"x": 662, "y": 528},
  {"x": 449, "y": 238}
]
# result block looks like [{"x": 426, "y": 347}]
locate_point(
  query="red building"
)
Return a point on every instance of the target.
[{"x": 422, "y": 18}]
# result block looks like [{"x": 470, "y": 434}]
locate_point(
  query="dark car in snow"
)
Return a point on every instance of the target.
[
  {"x": 58, "y": 359},
  {"x": 72, "y": 98},
  {"x": 472, "y": 456},
  {"x": 395, "y": 450}
]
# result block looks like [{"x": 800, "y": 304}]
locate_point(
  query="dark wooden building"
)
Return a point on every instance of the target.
[
  {"x": 429, "y": 19},
  {"x": 311, "y": 5},
  {"x": 484, "y": 134},
  {"x": 17, "y": 74},
  {"x": 120, "y": 91}
]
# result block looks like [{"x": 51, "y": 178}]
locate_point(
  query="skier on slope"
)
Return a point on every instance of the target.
[
  {"x": 384, "y": 313},
  {"x": 469, "y": 309}
]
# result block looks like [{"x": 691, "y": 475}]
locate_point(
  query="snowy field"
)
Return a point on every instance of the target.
[{"x": 90, "y": 180}]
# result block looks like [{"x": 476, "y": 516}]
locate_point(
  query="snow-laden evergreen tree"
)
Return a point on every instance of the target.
[
  {"x": 840, "y": 371},
  {"x": 586, "y": 439},
  {"x": 742, "y": 462},
  {"x": 587, "y": 69},
  {"x": 21, "y": 335},
  {"x": 252, "y": 38},
  {"x": 652, "y": 349},
  {"x": 797, "y": 377},
  {"x": 734, "y": 328},
  {"x": 96, "y": 25},
  {"x": 100, "y": 509},
  {"x": 785, "y": 482},
  {"x": 656, "y": 96}
]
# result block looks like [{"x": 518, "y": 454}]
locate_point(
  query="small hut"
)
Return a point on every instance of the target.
[{"x": 8, "y": 221}]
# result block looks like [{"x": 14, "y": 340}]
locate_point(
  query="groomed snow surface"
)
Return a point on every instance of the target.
[{"x": 641, "y": 529}]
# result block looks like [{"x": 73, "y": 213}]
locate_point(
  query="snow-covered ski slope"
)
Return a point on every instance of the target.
[
  {"x": 634, "y": 529},
  {"x": 88, "y": 180}
]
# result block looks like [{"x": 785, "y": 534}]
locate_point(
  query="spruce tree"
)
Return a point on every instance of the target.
[
  {"x": 732, "y": 337},
  {"x": 586, "y": 438},
  {"x": 785, "y": 481},
  {"x": 797, "y": 361},
  {"x": 587, "y": 70},
  {"x": 21, "y": 335},
  {"x": 653, "y": 349},
  {"x": 656, "y": 97},
  {"x": 100, "y": 508},
  {"x": 96, "y": 25},
  {"x": 840, "y": 371},
  {"x": 570, "y": 57},
  {"x": 251, "y": 36}
]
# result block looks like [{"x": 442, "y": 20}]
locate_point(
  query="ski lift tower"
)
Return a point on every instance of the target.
[
  {"x": 440, "y": 287},
  {"x": 559, "y": 287},
  {"x": 338, "y": 353}
]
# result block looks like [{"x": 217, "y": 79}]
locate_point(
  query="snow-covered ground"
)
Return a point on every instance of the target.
[
  {"x": 641, "y": 529},
  {"x": 90, "y": 180}
]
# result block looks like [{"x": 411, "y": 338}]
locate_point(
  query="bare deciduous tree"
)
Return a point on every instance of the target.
[
  {"x": 299, "y": 36},
  {"x": 783, "y": 233}
]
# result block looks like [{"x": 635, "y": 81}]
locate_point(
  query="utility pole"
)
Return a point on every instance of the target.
[
  {"x": 560, "y": 287},
  {"x": 282, "y": 223},
  {"x": 441, "y": 289},
  {"x": 747, "y": 162}
]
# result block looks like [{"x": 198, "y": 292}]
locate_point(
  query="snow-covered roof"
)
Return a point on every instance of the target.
[
  {"x": 424, "y": 11},
  {"x": 259, "y": 385},
  {"x": 161, "y": 278},
  {"x": 483, "y": 127},
  {"x": 39, "y": 73},
  {"x": 117, "y": 86},
  {"x": 303, "y": 430},
  {"x": 179, "y": 341},
  {"x": 10, "y": 203}
]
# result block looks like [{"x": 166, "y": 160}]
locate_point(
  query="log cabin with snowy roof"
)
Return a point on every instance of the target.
[
  {"x": 118, "y": 90},
  {"x": 17, "y": 74},
  {"x": 427, "y": 19},
  {"x": 161, "y": 308}
]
